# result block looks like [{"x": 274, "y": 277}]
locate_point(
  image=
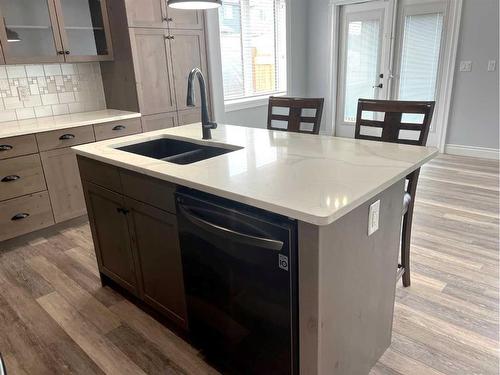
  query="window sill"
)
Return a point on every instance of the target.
[{"x": 245, "y": 103}]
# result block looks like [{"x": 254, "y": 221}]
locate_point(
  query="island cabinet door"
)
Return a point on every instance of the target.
[
  {"x": 108, "y": 222},
  {"x": 155, "y": 239}
]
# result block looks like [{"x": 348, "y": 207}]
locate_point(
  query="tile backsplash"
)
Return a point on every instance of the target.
[{"x": 29, "y": 91}]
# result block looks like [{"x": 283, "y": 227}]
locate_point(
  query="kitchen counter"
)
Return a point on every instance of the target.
[
  {"x": 315, "y": 179},
  {"x": 42, "y": 124}
]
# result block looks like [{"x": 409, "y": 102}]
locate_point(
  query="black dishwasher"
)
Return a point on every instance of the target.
[{"x": 240, "y": 276}]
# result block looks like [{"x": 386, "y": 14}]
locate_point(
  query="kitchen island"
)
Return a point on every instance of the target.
[{"x": 346, "y": 278}]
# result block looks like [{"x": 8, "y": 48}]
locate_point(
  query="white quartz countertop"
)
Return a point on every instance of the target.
[
  {"x": 37, "y": 125},
  {"x": 313, "y": 178}
]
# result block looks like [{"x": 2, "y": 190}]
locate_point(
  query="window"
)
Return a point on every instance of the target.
[{"x": 253, "y": 47}]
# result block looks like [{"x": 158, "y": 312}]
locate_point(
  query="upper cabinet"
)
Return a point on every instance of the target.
[
  {"x": 84, "y": 29},
  {"x": 44, "y": 31},
  {"x": 29, "y": 31},
  {"x": 156, "y": 14},
  {"x": 184, "y": 19}
]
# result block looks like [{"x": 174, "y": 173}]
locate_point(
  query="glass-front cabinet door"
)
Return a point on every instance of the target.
[
  {"x": 84, "y": 29},
  {"x": 29, "y": 31}
]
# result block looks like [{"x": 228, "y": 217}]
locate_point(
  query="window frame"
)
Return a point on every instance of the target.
[{"x": 252, "y": 101}]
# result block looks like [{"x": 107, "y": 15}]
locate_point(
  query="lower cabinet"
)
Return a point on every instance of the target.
[
  {"x": 137, "y": 244},
  {"x": 156, "y": 243},
  {"x": 159, "y": 121},
  {"x": 64, "y": 184},
  {"x": 108, "y": 222}
]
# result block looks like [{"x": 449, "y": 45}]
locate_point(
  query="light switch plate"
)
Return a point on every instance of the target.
[
  {"x": 465, "y": 66},
  {"x": 492, "y": 64},
  {"x": 373, "y": 217}
]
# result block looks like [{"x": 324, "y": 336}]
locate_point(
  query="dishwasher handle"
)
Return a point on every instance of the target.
[{"x": 230, "y": 234}]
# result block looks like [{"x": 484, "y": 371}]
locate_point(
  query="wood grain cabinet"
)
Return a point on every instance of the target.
[
  {"x": 135, "y": 235},
  {"x": 153, "y": 70},
  {"x": 63, "y": 182},
  {"x": 109, "y": 225},
  {"x": 54, "y": 31},
  {"x": 159, "y": 121},
  {"x": 156, "y": 14},
  {"x": 184, "y": 19},
  {"x": 156, "y": 243},
  {"x": 160, "y": 45}
]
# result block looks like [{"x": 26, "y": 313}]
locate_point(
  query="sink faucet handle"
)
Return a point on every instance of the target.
[{"x": 210, "y": 125}]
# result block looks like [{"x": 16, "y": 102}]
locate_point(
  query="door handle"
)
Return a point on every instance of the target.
[
  {"x": 20, "y": 216},
  {"x": 65, "y": 137},
  {"x": 10, "y": 178},
  {"x": 230, "y": 234},
  {"x": 380, "y": 85}
]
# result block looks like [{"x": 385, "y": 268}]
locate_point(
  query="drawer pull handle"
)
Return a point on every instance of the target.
[
  {"x": 10, "y": 178},
  {"x": 20, "y": 216},
  {"x": 121, "y": 210},
  {"x": 119, "y": 127},
  {"x": 6, "y": 147},
  {"x": 65, "y": 137}
]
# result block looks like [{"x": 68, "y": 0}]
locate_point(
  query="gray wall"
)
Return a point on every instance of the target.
[{"x": 474, "y": 117}]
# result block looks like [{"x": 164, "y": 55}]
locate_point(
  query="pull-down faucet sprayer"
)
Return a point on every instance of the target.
[{"x": 206, "y": 124}]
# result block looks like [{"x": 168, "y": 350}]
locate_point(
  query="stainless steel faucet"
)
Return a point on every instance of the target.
[{"x": 206, "y": 124}]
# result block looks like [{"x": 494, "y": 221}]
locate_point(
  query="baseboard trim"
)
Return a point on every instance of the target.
[{"x": 478, "y": 152}]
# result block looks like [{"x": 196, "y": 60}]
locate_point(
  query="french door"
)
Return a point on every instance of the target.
[{"x": 390, "y": 50}]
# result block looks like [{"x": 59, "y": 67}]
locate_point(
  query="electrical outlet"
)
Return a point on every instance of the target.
[
  {"x": 465, "y": 66},
  {"x": 373, "y": 217},
  {"x": 492, "y": 64},
  {"x": 24, "y": 92}
]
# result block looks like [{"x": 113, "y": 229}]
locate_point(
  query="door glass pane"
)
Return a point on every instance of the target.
[
  {"x": 84, "y": 27},
  {"x": 363, "y": 45},
  {"x": 28, "y": 27},
  {"x": 420, "y": 58}
]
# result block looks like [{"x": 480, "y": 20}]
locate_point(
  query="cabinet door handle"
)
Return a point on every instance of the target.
[
  {"x": 11, "y": 178},
  {"x": 20, "y": 216},
  {"x": 67, "y": 52},
  {"x": 65, "y": 137},
  {"x": 168, "y": 19},
  {"x": 60, "y": 52},
  {"x": 119, "y": 127},
  {"x": 122, "y": 210},
  {"x": 6, "y": 147}
]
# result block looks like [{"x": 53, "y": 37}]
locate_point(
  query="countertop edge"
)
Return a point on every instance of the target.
[
  {"x": 269, "y": 206},
  {"x": 70, "y": 124}
]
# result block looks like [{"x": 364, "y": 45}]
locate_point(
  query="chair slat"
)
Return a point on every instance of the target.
[{"x": 294, "y": 117}]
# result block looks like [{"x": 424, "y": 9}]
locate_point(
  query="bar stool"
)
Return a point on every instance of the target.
[{"x": 395, "y": 129}]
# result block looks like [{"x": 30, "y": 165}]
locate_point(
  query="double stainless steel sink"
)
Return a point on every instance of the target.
[{"x": 175, "y": 150}]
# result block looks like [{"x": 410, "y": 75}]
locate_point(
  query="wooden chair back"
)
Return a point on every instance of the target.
[
  {"x": 295, "y": 120},
  {"x": 392, "y": 124}
]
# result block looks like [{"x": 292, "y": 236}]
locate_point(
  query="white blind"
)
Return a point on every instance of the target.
[
  {"x": 253, "y": 47},
  {"x": 420, "y": 56},
  {"x": 363, "y": 45}
]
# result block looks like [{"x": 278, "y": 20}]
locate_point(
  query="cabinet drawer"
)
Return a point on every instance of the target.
[
  {"x": 101, "y": 174},
  {"x": 17, "y": 146},
  {"x": 149, "y": 190},
  {"x": 26, "y": 214},
  {"x": 159, "y": 121},
  {"x": 20, "y": 176},
  {"x": 65, "y": 137},
  {"x": 116, "y": 129}
]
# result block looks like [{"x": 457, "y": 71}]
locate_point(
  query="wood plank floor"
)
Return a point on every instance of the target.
[{"x": 55, "y": 318}]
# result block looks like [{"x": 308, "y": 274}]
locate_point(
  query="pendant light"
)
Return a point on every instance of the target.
[{"x": 194, "y": 4}]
